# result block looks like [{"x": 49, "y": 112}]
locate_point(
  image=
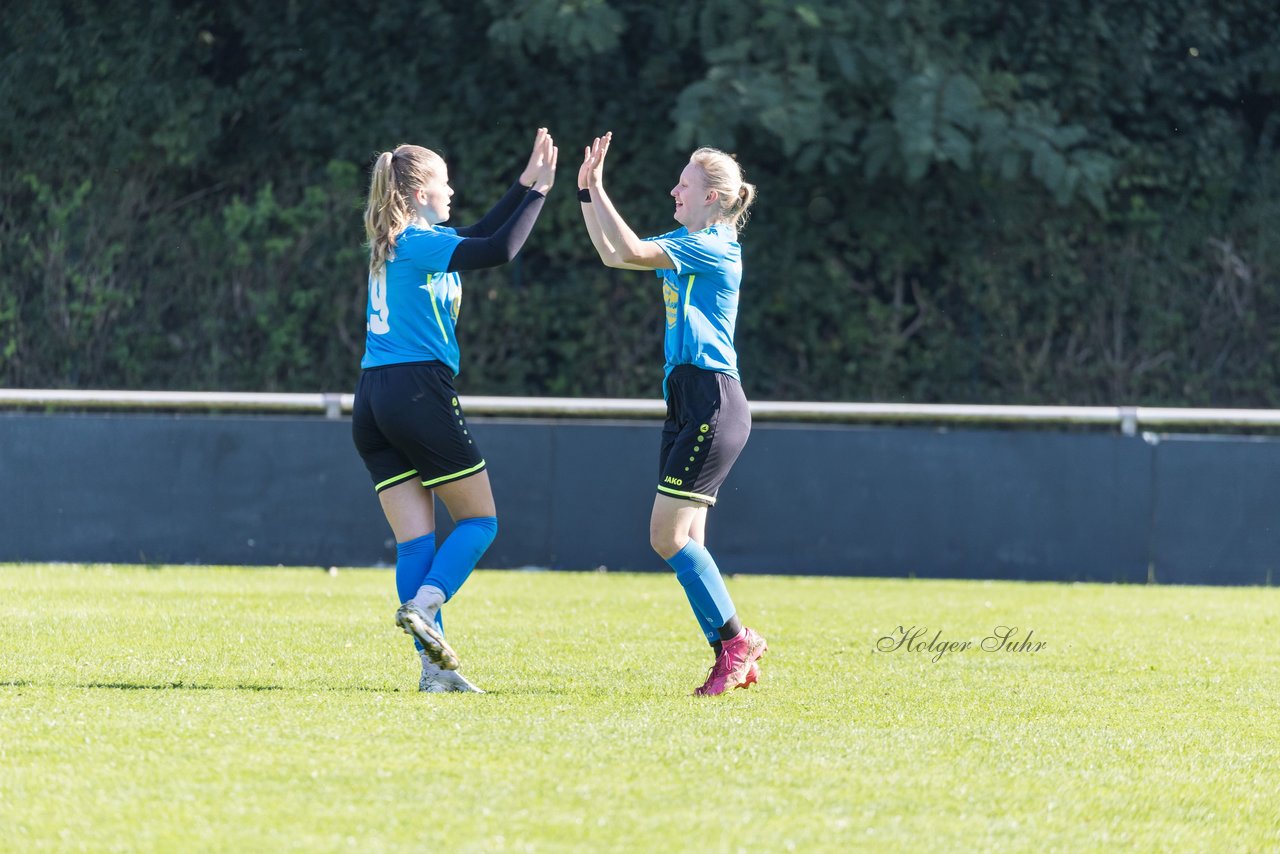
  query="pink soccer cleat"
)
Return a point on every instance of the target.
[{"x": 733, "y": 667}]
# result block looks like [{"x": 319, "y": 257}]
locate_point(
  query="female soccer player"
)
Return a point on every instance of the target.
[
  {"x": 407, "y": 423},
  {"x": 708, "y": 420}
]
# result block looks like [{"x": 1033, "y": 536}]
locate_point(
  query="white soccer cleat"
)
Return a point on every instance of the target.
[
  {"x": 420, "y": 624},
  {"x": 436, "y": 680}
]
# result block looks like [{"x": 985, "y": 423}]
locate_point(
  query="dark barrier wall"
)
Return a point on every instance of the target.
[
  {"x": 1216, "y": 500},
  {"x": 576, "y": 495}
]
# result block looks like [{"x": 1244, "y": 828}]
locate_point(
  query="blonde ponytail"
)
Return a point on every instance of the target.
[
  {"x": 741, "y": 211},
  {"x": 396, "y": 176}
]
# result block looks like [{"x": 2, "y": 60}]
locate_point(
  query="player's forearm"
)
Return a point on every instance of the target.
[
  {"x": 606, "y": 252},
  {"x": 593, "y": 229},
  {"x": 477, "y": 253},
  {"x": 498, "y": 215},
  {"x": 625, "y": 247}
]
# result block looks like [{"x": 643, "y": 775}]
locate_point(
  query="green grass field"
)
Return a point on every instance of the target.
[{"x": 276, "y": 709}]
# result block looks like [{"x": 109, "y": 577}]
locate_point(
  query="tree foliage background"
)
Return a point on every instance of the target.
[{"x": 1037, "y": 202}]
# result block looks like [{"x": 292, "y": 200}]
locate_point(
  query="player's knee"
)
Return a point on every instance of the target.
[{"x": 666, "y": 542}]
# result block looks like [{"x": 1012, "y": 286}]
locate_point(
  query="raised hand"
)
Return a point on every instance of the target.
[
  {"x": 599, "y": 150},
  {"x": 584, "y": 170},
  {"x": 529, "y": 174},
  {"x": 543, "y": 163}
]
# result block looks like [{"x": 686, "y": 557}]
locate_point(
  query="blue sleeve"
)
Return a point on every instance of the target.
[
  {"x": 700, "y": 252},
  {"x": 429, "y": 251}
]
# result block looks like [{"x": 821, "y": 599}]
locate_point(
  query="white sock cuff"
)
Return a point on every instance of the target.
[{"x": 429, "y": 597}]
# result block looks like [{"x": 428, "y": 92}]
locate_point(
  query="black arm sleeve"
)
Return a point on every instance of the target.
[
  {"x": 501, "y": 212},
  {"x": 476, "y": 253}
]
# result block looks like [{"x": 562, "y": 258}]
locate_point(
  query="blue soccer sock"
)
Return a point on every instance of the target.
[
  {"x": 697, "y": 572},
  {"x": 460, "y": 552},
  {"x": 413, "y": 562},
  {"x": 711, "y": 634}
]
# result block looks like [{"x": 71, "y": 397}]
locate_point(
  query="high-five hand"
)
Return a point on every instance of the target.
[
  {"x": 585, "y": 169},
  {"x": 595, "y": 169},
  {"x": 542, "y": 163},
  {"x": 529, "y": 175}
]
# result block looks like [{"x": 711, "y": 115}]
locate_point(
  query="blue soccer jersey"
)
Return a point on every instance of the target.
[
  {"x": 701, "y": 298},
  {"x": 414, "y": 302}
]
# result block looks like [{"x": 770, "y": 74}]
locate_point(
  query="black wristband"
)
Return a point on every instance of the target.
[{"x": 584, "y": 195}]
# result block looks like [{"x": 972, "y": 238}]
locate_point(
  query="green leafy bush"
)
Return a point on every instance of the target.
[{"x": 1040, "y": 203}]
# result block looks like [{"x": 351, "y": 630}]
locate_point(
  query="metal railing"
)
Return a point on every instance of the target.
[{"x": 1128, "y": 419}]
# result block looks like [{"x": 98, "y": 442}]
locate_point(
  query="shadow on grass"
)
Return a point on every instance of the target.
[
  {"x": 178, "y": 686},
  {"x": 193, "y": 686}
]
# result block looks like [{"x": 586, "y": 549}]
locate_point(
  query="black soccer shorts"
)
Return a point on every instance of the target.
[
  {"x": 407, "y": 423},
  {"x": 708, "y": 422}
]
